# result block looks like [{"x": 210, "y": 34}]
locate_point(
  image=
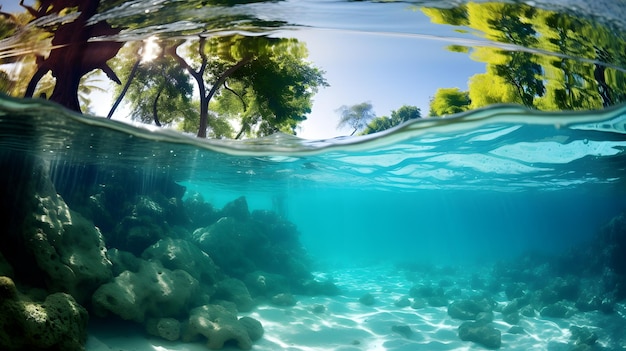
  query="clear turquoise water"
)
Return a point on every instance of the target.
[{"x": 484, "y": 186}]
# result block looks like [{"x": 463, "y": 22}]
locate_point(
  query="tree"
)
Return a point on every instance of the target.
[
  {"x": 399, "y": 116},
  {"x": 276, "y": 83},
  {"x": 584, "y": 73},
  {"x": 448, "y": 101},
  {"x": 355, "y": 116},
  {"x": 73, "y": 55}
]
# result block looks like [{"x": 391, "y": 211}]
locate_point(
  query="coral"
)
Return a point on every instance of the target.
[
  {"x": 219, "y": 326},
  {"x": 59, "y": 323},
  {"x": 152, "y": 291}
]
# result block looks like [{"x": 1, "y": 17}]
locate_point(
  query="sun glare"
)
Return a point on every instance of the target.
[{"x": 150, "y": 50}]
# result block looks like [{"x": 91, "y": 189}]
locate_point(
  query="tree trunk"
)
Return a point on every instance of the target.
[
  {"x": 155, "y": 110},
  {"x": 74, "y": 55}
]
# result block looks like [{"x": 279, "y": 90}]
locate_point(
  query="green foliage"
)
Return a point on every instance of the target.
[
  {"x": 355, "y": 116},
  {"x": 449, "y": 101},
  {"x": 399, "y": 116},
  {"x": 583, "y": 74},
  {"x": 277, "y": 86},
  {"x": 160, "y": 90}
]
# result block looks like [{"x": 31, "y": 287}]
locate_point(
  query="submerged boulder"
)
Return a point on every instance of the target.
[
  {"x": 234, "y": 290},
  {"x": 166, "y": 328},
  {"x": 48, "y": 245},
  {"x": 469, "y": 309},
  {"x": 241, "y": 243},
  {"x": 57, "y": 323},
  {"x": 185, "y": 255},
  {"x": 152, "y": 291},
  {"x": 482, "y": 334},
  {"x": 219, "y": 325}
]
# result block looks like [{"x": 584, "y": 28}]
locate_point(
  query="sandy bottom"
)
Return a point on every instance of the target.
[{"x": 347, "y": 325}]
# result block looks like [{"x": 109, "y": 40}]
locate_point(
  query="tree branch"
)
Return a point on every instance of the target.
[
  {"x": 133, "y": 71},
  {"x": 237, "y": 95}
]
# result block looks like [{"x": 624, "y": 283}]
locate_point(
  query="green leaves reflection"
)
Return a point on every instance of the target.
[{"x": 556, "y": 61}]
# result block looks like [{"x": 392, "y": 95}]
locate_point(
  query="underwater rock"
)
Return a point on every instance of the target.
[
  {"x": 58, "y": 323},
  {"x": 437, "y": 301},
  {"x": 528, "y": 311},
  {"x": 240, "y": 247},
  {"x": 231, "y": 244},
  {"x": 284, "y": 300},
  {"x": 557, "y": 310},
  {"x": 318, "y": 309},
  {"x": 123, "y": 261},
  {"x": 482, "y": 334},
  {"x": 166, "y": 328},
  {"x": 201, "y": 214},
  {"x": 511, "y": 318},
  {"x": 367, "y": 299},
  {"x": 468, "y": 309},
  {"x": 219, "y": 325},
  {"x": 69, "y": 249},
  {"x": 264, "y": 284},
  {"x": 515, "y": 290},
  {"x": 135, "y": 234},
  {"x": 403, "y": 330},
  {"x": 582, "y": 336},
  {"x": 5, "y": 267},
  {"x": 185, "y": 255},
  {"x": 418, "y": 303},
  {"x": 48, "y": 245},
  {"x": 152, "y": 291},
  {"x": 253, "y": 327},
  {"x": 560, "y": 289},
  {"x": 234, "y": 290},
  {"x": 237, "y": 209},
  {"x": 402, "y": 302},
  {"x": 516, "y": 329},
  {"x": 425, "y": 291}
]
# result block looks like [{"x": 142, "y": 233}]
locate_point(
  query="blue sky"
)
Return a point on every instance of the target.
[
  {"x": 385, "y": 69},
  {"x": 389, "y": 54}
]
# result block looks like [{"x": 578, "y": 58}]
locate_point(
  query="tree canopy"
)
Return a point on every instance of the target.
[
  {"x": 356, "y": 116},
  {"x": 449, "y": 101},
  {"x": 583, "y": 74},
  {"x": 270, "y": 77},
  {"x": 399, "y": 116}
]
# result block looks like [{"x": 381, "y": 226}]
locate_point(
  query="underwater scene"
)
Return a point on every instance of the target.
[{"x": 312, "y": 175}]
